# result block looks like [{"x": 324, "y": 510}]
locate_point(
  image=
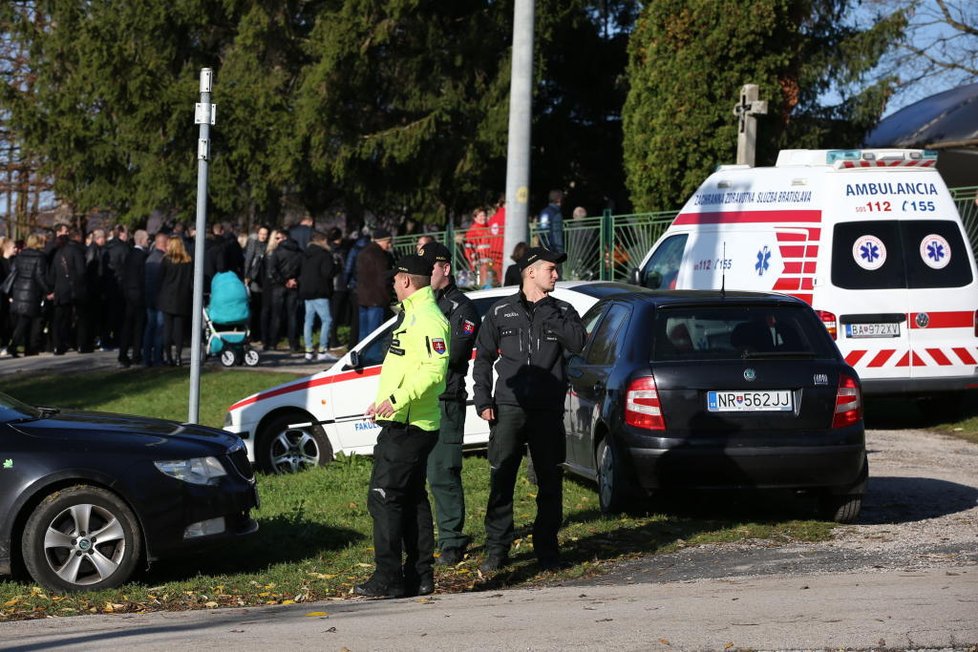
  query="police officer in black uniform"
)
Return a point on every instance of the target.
[
  {"x": 525, "y": 337},
  {"x": 445, "y": 461}
]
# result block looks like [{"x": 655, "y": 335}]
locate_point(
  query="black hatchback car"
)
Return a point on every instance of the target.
[
  {"x": 85, "y": 497},
  {"x": 714, "y": 390}
]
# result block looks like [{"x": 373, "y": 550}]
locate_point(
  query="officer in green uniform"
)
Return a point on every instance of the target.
[
  {"x": 411, "y": 380},
  {"x": 445, "y": 461}
]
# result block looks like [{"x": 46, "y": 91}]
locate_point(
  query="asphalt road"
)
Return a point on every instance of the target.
[{"x": 934, "y": 609}]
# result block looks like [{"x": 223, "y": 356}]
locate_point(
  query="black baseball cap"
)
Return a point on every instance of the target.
[
  {"x": 436, "y": 252},
  {"x": 412, "y": 264},
  {"x": 533, "y": 254}
]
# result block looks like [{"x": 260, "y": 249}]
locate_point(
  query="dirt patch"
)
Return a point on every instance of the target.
[{"x": 920, "y": 512}]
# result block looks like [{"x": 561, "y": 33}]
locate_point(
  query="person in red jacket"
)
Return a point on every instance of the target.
[{"x": 477, "y": 245}]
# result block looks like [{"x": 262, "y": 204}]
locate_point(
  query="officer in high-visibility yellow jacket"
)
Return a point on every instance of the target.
[{"x": 406, "y": 408}]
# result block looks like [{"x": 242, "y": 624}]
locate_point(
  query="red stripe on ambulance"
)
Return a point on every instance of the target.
[
  {"x": 939, "y": 357},
  {"x": 880, "y": 358},
  {"x": 965, "y": 356},
  {"x": 953, "y": 319},
  {"x": 748, "y": 217}
]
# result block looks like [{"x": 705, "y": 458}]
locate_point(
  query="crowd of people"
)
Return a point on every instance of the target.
[{"x": 63, "y": 290}]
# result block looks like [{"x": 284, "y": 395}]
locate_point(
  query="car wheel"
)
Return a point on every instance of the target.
[
  {"x": 228, "y": 358},
  {"x": 81, "y": 538},
  {"x": 252, "y": 358},
  {"x": 841, "y": 508},
  {"x": 290, "y": 450},
  {"x": 613, "y": 492}
]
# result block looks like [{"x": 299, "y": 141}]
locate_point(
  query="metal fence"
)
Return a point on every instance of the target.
[{"x": 608, "y": 247}]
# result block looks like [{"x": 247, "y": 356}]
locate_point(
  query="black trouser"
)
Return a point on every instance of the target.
[
  {"x": 133, "y": 325},
  {"x": 26, "y": 330},
  {"x": 284, "y": 305},
  {"x": 445, "y": 476},
  {"x": 543, "y": 431},
  {"x": 256, "y": 316},
  {"x": 398, "y": 502},
  {"x": 172, "y": 334},
  {"x": 339, "y": 309},
  {"x": 67, "y": 317}
]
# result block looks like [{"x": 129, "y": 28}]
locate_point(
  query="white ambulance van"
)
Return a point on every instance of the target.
[{"x": 871, "y": 239}]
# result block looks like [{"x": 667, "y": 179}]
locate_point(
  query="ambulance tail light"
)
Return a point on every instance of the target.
[
  {"x": 830, "y": 323},
  {"x": 848, "y": 403},
  {"x": 642, "y": 407}
]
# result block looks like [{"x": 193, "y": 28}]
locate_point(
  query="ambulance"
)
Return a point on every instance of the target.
[{"x": 871, "y": 239}]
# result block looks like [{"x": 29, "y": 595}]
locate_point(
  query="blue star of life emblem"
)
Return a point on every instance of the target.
[
  {"x": 935, "y": 251},
  {"x": 869, "y": 252},
  {"x": 763, "y": 261}
]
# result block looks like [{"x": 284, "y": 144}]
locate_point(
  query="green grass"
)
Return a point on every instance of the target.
[
  {"x": 315, "y": 540},
  {"x": 155, "y": 392}
]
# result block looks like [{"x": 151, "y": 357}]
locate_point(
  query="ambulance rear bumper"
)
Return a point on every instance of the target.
[{"x": 905, "y": 386}]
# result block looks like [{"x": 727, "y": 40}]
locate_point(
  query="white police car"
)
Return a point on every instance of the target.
[{"x": 306, "y": 422}]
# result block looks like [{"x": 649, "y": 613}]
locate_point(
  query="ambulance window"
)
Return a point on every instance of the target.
[
  {"x": 661, "y": 271},
  {"x": 868, "y": 255},
  {"x": 936, "y": 255},
  {"x": 373, "y": 353}
]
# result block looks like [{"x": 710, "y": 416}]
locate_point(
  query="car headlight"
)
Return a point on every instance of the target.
[
  {"x": 198, "y": 470},
  {"x": 228, "y": 421}
]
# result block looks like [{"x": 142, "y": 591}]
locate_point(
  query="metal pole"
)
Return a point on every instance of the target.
[
  {"x": 204, "y": 116},
  {"x": 520, "y": 122}
]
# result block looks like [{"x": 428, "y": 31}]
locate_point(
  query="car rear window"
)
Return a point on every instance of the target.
[
  {"x": 890, "y": 254},
  {"x": 735, "y": 331}
]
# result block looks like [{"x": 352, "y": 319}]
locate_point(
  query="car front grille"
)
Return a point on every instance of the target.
[{"x": 239, "y": 460}]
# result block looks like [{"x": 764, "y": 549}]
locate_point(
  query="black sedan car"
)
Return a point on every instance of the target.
[
  {"x": 85, "y": 497},
  {"x": 714, "y": 390}
]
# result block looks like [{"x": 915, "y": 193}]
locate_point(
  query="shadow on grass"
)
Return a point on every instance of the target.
[
  {"x": 280, "y": 539},
  {"x": 679, "y": 516},
  {"x": 900, "y": 413},
  {"x": 99, "y": 387}
]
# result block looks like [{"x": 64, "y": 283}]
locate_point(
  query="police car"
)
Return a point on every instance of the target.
[{"x": 306, "y": 422}]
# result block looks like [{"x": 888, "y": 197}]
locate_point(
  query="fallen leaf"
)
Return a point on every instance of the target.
[
  {"x": 11, "y": 602},
  {"x": 728, "y": 646},
  {"x": 363, "y": 565},
  {"x": 664, "y": 641},
  {"x": 210, "y": 605},
  {"x": 317, "y": 614},
  {"x": 288, "y": 601}
]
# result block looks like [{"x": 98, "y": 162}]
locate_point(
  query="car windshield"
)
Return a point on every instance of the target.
[
  {"x": 738, "y": 331},
  {"x": 11, "y": 409}
]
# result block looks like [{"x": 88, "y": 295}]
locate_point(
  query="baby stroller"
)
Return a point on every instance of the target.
[{"x": 226, "y": 322}]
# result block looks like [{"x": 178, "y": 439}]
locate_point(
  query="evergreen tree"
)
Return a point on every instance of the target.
[{"x": 689, "y": 58}]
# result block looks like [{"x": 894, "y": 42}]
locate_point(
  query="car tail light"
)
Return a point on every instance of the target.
[
  {"x": 848, "y": 403},
  {"x": 828, "y": 320},
  {"x": 642, "y": 408}
]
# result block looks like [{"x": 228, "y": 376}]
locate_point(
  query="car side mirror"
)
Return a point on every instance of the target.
[
  {"x": 654, "y": 281},
  {"x": 354, "y": 361},
  {"x": 636, "y": 276}
]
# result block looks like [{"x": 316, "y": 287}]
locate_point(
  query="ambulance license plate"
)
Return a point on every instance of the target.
[
  {"x": 873, "y": 330},
  {"x": 780, "y": 400}
]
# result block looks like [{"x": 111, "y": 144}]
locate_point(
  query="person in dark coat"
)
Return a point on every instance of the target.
[
  {"x": 254, "y": 268},
  {"x": 7, "y": 253},
  {"x": 373, "y": 284},
  {"x": 95, "y": 307},
  {"x": 283, "y": 265},
  {"x": 153, "y": 335},
  {"x": 30, "y": 287},
  {"x": 72, "y": 298},
  {"x": 134, "y": 294},
  {"x": 114, "y": 256},
  {"x": 175, "y": 299}
]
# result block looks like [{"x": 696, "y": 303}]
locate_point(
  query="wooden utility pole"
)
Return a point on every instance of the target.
[{"x": 748, "y": 107}]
